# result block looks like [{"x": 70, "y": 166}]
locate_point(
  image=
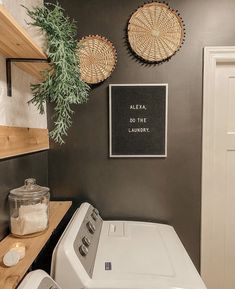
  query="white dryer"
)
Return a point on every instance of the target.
[{"x": 97, "y": 254}]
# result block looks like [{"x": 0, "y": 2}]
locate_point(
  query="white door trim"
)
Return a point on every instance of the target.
[{"x": 212, "y": 56}]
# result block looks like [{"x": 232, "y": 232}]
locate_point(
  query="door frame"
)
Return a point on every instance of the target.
[{"x": 212, "y": 56}]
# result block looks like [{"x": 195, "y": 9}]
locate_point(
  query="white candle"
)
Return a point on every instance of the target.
[
  {"x": 19, "y": 248},
  {"x": 11, "y": 258}
]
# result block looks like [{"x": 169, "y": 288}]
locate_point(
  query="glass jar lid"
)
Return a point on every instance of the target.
[{"x": 30, "y": 189}]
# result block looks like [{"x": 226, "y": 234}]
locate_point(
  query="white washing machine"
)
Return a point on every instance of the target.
[
  {"x": 98, "y": 254},
  {"x": 38, "y": 279}
]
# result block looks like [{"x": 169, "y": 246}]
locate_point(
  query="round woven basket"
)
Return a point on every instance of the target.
[
  {"x": 155, "y": 32},
  {"x": 97, "y": 57}
]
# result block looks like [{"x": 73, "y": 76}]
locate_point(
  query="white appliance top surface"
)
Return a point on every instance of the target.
[{"x": 143, "y": 254}]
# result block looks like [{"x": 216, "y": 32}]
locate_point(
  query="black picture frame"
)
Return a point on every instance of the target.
[{"x": 138, "y": 120}]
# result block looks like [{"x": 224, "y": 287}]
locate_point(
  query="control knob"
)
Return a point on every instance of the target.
[
  {"x": 86, "y": 241},
  {"x": 95, "y": 211},
  {"x": 94, "y": 216},
  {"x": 90, "y": 227},
  {"x": 83, "y": 250}
]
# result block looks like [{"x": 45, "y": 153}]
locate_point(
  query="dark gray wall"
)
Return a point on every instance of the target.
[
  {"x": 166, "y": 190},
  {"x": 13, "y": 172}
]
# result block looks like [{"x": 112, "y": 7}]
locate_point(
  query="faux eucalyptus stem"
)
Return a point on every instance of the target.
[{"x": 62, "y": 84}]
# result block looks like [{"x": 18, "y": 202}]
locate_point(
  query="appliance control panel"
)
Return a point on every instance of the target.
[{"x": 87, "y": 239}]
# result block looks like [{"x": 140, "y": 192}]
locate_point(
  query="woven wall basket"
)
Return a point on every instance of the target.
[
  {"x": 97, "y": 57},
  {"x": 155, "y": 32}
]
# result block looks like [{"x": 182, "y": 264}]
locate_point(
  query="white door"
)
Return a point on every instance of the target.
[{"x": 218, "y": 169}]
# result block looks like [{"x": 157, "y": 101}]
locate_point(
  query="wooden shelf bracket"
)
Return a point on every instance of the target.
[{"x": 8, "y": 69}]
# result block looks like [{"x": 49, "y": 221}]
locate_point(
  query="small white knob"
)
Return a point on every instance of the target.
[
  {"x": 94, "y": 216},
  {"x": 96, "y": 212},
  {"x": 86, "y": 241},
  {"x": 91, "y": 227},
  {"x": 83, "y": 250},
  {"x": 11, "y": 258}
]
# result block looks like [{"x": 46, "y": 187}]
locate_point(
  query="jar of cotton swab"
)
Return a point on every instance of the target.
[{"x": 29, "y": 209}]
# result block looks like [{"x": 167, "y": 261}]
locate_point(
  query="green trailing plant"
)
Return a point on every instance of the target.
[{"x": 62, "y": 84}]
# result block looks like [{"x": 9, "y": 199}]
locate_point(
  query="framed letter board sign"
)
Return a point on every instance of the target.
[{"x": 138, "y": 120}]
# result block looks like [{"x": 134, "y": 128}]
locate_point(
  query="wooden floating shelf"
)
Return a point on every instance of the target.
[
  {"x": 19, "y": 140},
  {"x": 10, "y": 277},
  {"x": 16, "y": 43}
]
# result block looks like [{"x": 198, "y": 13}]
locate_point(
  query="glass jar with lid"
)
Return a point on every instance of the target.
[{"x": 29, "y": 209}]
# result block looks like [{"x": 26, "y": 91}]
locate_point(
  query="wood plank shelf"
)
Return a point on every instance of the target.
[
  {"x": 10, "y": 277},
  {"x": 19, "y": 140},
  {"x": 16, "y": 43}
]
